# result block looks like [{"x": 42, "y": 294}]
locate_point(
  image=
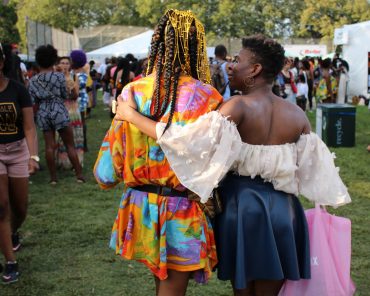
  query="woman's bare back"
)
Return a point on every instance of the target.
[{"x": 267, "y": 119}]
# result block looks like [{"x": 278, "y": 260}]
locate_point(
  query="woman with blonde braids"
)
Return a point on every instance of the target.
[{"x": 157, "y": 223}]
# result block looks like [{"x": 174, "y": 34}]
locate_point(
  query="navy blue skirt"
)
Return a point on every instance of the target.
[{"x": 261, "y": 233}]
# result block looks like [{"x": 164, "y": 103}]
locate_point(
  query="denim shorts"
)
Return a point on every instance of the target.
[{"x": 14, "y": 158}]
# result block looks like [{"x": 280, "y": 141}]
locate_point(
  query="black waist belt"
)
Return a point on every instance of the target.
[{"x": 161, "y": 190}]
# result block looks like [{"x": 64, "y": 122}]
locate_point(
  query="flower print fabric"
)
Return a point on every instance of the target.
[{"x": 322, "y": 90}]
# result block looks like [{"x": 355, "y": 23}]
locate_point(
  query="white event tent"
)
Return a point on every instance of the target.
[
  {"x": 137, "y": 45},
  {"x": 355, "y": 40}
]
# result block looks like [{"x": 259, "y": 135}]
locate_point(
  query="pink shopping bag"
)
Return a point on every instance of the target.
[{"x": 330, "y": 251}]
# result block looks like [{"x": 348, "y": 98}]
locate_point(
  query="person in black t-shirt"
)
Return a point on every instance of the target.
[{"x": 18, "y": 158}]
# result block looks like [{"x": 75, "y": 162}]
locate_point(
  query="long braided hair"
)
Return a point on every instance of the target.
[
  {"x": 124, "y": 65},
  {"x": 177, "y": 46}
]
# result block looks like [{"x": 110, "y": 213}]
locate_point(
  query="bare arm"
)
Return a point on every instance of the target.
[
  {"x": 143, "y": 123},
  {"x": 233, "y": 110},
  {"x": 126, "y": 110},
  {"x": 77, "y": 83},
  {"x": 118, "y": 77},
  {"x": 132, "y": 76},
  {"x": 31, "y": 137}
]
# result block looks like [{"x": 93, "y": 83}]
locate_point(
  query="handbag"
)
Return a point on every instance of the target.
[
  {"x": 330, "y": 251},
  {"x": 72, "y": 93},
  {"x": 213, "y": 205}
]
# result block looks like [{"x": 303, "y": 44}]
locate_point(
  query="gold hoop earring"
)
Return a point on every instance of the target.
[{"x": 248, "y": 82}]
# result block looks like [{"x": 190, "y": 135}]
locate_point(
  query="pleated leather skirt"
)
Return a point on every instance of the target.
[{"x": 261, "y": 234}]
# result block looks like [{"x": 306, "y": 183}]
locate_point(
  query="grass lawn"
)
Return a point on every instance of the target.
[{"x": 65, "y": 237}]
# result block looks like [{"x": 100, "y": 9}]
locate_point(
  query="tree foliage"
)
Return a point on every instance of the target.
[
  {"x": 8, "y": 19},
  {"x": 221, "y": 18},
  {"x": 64, "y": 14},
  {"x": 320, "y": 18}
]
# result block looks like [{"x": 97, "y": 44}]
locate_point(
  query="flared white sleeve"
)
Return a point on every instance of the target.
[
  {"x": 318, "y": 178},
  {"x": 202, "y": 152}
]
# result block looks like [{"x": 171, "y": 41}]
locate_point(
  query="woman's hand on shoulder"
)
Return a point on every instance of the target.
[{"x": 125, "y": 108}]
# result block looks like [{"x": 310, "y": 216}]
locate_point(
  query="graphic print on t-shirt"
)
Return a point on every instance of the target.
[{"x": 8, "y": 118}]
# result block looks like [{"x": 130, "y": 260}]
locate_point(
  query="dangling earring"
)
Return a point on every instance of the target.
[{"x": 248, "y": 82}]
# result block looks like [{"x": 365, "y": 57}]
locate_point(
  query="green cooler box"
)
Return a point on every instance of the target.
[{"x": 336, "y": 124}]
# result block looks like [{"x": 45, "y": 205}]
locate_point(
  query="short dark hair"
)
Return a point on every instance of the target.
[
  {"x": 302, "y": 78},
  {"x": 326, "y": 63},
  {"x": 306, "y": 64},
  {"x": 130, "y": 57},
  {"x": 46, "y": 56},
  {"x": 269, "y": 53},
  {"x": 220, "y": 51}
]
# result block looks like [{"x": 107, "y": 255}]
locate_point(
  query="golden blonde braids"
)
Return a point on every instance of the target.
[{"x": 178, "y": 47}]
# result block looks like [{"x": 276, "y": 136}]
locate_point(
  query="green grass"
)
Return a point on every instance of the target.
[{"x": 66, "y": 234}]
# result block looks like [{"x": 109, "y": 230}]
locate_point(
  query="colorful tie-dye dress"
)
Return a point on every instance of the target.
[{"x": 160, "y": 231}]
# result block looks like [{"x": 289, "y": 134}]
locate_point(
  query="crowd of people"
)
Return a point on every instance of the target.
[
  {"x": 184, "y": 126},
  {"x": 116, "y": 72},
  {"x": 311, "y": 81},
  {"x": 305, "y": 82}
]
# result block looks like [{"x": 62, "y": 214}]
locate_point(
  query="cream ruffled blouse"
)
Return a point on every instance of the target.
[{"x": 202, "y": 152}]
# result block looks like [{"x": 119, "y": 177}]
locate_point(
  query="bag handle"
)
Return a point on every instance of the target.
[{"x": 318, "y": 207}]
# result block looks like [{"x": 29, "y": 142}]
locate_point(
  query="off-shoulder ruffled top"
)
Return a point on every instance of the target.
[{"x": 202, "y": 152}]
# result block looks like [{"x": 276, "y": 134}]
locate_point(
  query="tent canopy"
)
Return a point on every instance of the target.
[
  {"x": 356, "y": 47},
  {"x": 137, "y": 45},
  {"x": 305, "y": 50},
  {"x": 91, "y": 38},
  {"x": 211, "y": 52}
]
